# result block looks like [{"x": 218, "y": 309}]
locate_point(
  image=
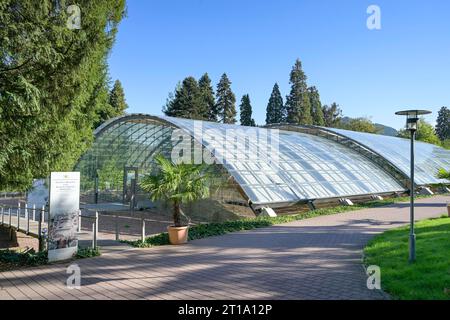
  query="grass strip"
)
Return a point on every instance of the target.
[{"x": 428, "y": 277}]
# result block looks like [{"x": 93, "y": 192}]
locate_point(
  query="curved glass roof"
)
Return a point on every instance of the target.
[
  {"x": 307, "y": 167},
  {"x": 428, "y": 157},
  {"x": 301, "y": 167}
]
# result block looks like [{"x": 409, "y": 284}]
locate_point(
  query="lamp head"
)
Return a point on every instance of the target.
[{"x": 412, "y": 117}]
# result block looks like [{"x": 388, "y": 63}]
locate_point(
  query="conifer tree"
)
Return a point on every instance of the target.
[
  {"x": 316, "y": 106},
  {"x": 275, "y": 112},
  {"x": 117, "y": 99},
  {"x": 208, "y": 107},
  {"x": 443, "y": 124},
  {"x": 246, "y": 111},
  {"x": 297, "y": 102},
  {"x": 53, "y": 83},
  {"x": 225, "y": 101},
  {"x": 186, "y": 102}
]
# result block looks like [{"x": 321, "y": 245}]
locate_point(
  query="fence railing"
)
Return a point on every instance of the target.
[
  {"x": 31, "y": 222},
  {"x": 94, "y": 219},
  {"x": 6, "y": 195},
  {"x": 35, "y": 222}
]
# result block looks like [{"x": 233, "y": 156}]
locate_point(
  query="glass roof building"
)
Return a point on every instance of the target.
[
  {"x": 264, "y": 166},
  {"x": 393, "y": 151},
  {"x": 428, "y": 157}
]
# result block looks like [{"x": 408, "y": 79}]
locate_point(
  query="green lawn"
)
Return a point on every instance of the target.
[{"x": 429, "y": 276}]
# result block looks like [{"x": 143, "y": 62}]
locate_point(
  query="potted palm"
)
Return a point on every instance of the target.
[
  {"x": 177, "y": 184},
  {"x": 443, "y": 174}
]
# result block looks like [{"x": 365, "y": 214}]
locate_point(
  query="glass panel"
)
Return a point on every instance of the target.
[
  {"x": 428, "y": 158},
  {"x": 308, "y": 167}
]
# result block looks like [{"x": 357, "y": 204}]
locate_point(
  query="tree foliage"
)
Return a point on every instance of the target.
[
  {"x": 360, "y": 124},
  {"x": 316, "y": 106},
  {"x": 192, "y": 100},
  {"x": 225, "y": 101},
  {"x": 117, "y": 99},
  {"x": 246, "y": 112},
  {"x": 116, "y": 105},
  {"x": 443, "y": 174},
  {"x": 446, "y": 144},
  {"x": 207, "y": 98},
  {"x": 53, "y": 84},
  {"x": 176, "y": 184},
  {"x": 425, "y": 132},
  {"x": 297, "y": 102},
  {"x": 187, "y": 101},
  {"x": 443, "y": 124},
  {"x": 332, "y": 115},
  {"x": 276, "y": 111}
]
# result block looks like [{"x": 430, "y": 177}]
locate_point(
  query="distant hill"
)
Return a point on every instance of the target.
[
  {"x": 382, "y": 129},
  {"x": 386, "y": 130}
]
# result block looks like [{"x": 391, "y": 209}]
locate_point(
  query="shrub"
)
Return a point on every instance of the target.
[
  {"x": 87, "y": 253},
  {"x": 28, "y": 258},
  {"x": 205, "y": 230}
]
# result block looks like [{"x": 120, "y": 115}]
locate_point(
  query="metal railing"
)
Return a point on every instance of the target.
[
  {"x": 12, "y": 195},
  {"x": 35, "y": 222},
  {"x": 94, "y": 226},
  {"x": 117, "y": 218},
  {"x": 31, "y": 223}
]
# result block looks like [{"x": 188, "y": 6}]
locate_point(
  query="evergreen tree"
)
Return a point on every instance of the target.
[
  {"x": 187, "y": 101},
  {"x": 167, "y": 109},
  {"x": 53, "y": 84},
  {"x": 225, "y": 101},
  {"x": 332, "y": 115},
  {"x": 297, "y": 102},
  {"x": 443, "y": 124},
  {"x": 117, "y": 99},
  {"x": 246, "y": 111},
  {"x": 316, "y": 106},
  {"x": 275, "y": 112},
  {"x": 116, "y": 104},
  {"x": 208, "y": 108}
]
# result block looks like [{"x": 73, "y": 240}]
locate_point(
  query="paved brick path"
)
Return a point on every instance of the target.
[{"x": 318, "y": 258}]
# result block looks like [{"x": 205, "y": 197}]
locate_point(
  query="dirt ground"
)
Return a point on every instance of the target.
[
  {"x": 130, "y": 227},
  {"x": 19, "y": 240}
]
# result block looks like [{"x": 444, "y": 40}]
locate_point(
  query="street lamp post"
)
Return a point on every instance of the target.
[{"x": 412, "y": 118}]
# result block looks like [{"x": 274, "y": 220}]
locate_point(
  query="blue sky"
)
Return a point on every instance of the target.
[{"x": 367, "y": 72}]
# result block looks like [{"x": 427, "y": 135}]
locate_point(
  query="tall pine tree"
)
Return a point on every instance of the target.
[
  {"x": 186, "y": 102},
  {"x": 117, "y": 99},
  {"x": 443, "y": 124},
  {"x": 297, "y": 102},
  {"x": 246, "y": 111},
  {"x": 316, "y": 106},
  {"x": 208, "y": 108},
  {"x": 276, "y": 111},
  {"x": 53, "y": 84},
  {"x": 116, "y": 104},
  {"x": 225, "y": 101}
]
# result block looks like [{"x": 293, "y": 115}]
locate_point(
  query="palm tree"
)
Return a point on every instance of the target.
[{"x": 177, "y": 184}]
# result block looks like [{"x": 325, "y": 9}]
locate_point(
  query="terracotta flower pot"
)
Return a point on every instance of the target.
[{"x": 178, "y": 235}]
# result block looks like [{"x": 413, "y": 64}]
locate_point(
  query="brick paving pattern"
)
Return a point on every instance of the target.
[{"x": 318, "y": 258}]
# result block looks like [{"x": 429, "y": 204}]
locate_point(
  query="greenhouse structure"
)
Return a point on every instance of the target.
[{"x": 277, "y": 166}]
